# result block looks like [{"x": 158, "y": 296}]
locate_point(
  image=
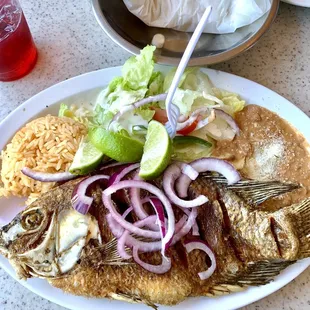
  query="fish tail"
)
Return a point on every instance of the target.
[
  {"x": 255, "y": 192},
  {"x": 301, "y": 217}
]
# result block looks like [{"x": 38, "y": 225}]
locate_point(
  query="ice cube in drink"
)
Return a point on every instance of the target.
[{"x": 18, "y": 53}]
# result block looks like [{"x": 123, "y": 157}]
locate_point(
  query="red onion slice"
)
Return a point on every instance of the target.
[
  {"x": 187, "y": 227},
  {"x": 203, "y": 110},
  {"x": 127, "y": 240},
  {"x": 117, "y": 176},
  {"x": 182, "y": 118},
  {"x": 206, "y": 120},
  {"x": 228, "y": 119},
  {"x": 158, "y": 269},
  {"x": 47, "y": 177},
  {"x": 180, "y": 223},
  {"x": 124, "y": 215},
  {"x": 189, "y": 171},
  {"x": 195, "y": 228},
  {"x": 159, "y": 209},
  {"x": 171, "y": 174},
  {"x": 112, "y": 165},
  {"x": 80, "y": 201},
  {"x": 220, "y": 166},
  {"x": 137, "y": 203},
  {"x": 121, "y": 245},
  {"x": 201, "y": 245},
  {"x": 208, "y": 164},
  {"x": 147, "y": 247},
  {"x": 181, "y": 186},
  {"x": 136, "y": 200},
  {"x": 116, "y": 229},
  {"x": 138, "y": 104},
  {"x": 146, "y": 199},
  {"x": 186, "y": 123},
  {"x": 106, "y": 197}
]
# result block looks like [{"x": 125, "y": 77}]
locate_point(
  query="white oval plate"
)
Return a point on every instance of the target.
[
  {"x": 304, "y": 3},
  {"x": 84, "y": 88}
]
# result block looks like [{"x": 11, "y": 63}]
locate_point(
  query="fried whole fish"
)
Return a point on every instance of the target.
[{"x": 77, "y": 253}]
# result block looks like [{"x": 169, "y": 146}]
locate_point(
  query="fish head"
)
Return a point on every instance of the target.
[
  {"x": 47, "y": 238},
  {"x": 25, "y": 230}
]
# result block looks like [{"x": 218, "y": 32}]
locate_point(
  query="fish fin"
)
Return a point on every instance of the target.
[
  {"x": 111, "y": 256},
  {"x": 105, "y": 254},
  {"x": 132, "y": 299},
  {"x": 223, "y": 289},
  {"x": 254, "y": 274},
  {"x": 252, "y": 191},
  {"x": 301, "y": 219}
]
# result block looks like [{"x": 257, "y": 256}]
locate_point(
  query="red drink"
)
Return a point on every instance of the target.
[{"x": 18, "y": 53}]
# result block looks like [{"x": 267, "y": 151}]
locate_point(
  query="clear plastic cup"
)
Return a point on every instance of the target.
[{"x": 18, "y": 53}]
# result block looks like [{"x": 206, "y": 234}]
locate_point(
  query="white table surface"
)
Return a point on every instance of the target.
[{"x": 70, "y": 43}]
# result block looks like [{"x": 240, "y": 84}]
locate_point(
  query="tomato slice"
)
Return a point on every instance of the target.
[
  {"x": 188, "y": 129},
  {"x": 160, "y": 115}
]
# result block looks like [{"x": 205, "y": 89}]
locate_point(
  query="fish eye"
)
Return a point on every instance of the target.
[{"x": 32, "y": 220}]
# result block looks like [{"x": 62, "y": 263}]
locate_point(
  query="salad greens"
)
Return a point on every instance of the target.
[
  {"x": 140, "y": 80},
  {"x": 196, "y": 90},
  {"x": 80, "y": 114},
  {"x": 64, "y": 110}
]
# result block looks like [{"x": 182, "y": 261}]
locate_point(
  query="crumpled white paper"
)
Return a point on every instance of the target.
[{"x": 184, "y": 15}]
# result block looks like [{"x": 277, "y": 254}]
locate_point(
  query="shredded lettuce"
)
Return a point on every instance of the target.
[
  {"x": 79, "y": 114},
  {"x": 137, "y": 70},
  {"x": 218, "y": 130},
  {"x": 124, "y": 97},
  {"x": 138, "y": 81},
  {"x": 137, "y": 74},
  {"x": 232, "y": 102},
  {"x": 145, "y": 113},
  {"x": 156, "y": 84},
  {"x": 65, "y": 111},
  {"x": 102, "y": 117},
  {"x": 192, "y": 79},
  {"x": 127, "y": 122},
  {"x": 184, "y": 99},
  {"x": 190, "y": 92},
  {"x": 196, "y": 90}
]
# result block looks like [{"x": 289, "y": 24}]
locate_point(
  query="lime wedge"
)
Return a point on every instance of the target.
[
  {"x": 115, "y": 145},
  {"x": 86, "y": 159},
  {"x": 157, "y": 151}
]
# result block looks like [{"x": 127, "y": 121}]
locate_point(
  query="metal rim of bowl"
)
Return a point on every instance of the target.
[{"x": 200, "y": 61}]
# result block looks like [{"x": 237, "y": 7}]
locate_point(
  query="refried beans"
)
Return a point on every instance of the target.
[{"x": 269, "y": 148}]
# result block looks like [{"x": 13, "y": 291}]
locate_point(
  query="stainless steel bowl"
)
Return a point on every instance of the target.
[{"x": 132, "y": 34}]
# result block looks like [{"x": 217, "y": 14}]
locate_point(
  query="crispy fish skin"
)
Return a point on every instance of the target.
[
  {"x": 254, "y": 231},
  {"x": 254, "y": 234},
  {"x": 235, "y": 232},
  {"x": 170, "y": 288}
]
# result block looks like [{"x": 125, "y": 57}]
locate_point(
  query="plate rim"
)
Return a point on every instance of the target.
[
  {"x": 63, "y": 90},
  {"x": 298, "y": 3}
]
